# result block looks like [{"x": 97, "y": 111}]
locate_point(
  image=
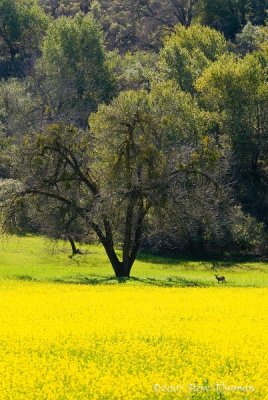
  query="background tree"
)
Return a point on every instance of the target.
[
  {"x": 58, "y": 221},
  {"x": 256, "y": 11},
  {"x": 140, "y": 24},
  {"x": 59, "y": 8},
  {"x": 237, "y": 90},
  {"x": 250, "y": 39},
  {"x": 135, "y": 70},
  {"x": 118, "y": 20},
  {"x": 203, "y": 220},
  {"x": 19, "y": 111},
  {"x": 168, "y": 13},
  {"x": 187, "y": 52},
  {"x": 229, "y": 17},
  {"x": 22, "y": 26},
  {"x": 50, "y": 6},
  {"x": 72, "y": 75}
]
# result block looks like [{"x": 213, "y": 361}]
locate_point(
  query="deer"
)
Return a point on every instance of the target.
[{"x": 220, "y": 278}]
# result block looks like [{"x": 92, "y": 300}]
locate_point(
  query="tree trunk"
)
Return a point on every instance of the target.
[
  {"x": 121, "y": 270},
  {"x": 132, "y": 238},
  {"x": 74, "y": 249}
]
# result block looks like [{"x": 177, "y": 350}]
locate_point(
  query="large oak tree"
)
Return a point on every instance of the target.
[{"x": 113, "y": 177}]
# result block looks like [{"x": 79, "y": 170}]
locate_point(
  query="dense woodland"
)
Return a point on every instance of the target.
[{"x": 136, "y": 123}]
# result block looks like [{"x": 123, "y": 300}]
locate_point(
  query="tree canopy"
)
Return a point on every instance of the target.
[{"x": 188, "y": 51}]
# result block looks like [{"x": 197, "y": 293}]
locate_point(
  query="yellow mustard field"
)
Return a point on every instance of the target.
[{"x": 126, "y": 342}]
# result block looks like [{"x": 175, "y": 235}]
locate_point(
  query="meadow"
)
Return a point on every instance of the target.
[
  {"x": 69, "y": 330},
  {"x": 43, "y": 260}
]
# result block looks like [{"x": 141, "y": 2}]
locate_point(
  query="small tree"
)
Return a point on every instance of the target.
[{"x": 139, "y": 147}]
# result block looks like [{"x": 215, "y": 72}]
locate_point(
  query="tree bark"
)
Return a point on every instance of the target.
[
  {"x": 128, "y": 236},
  {"x": 74, "y": 248}
]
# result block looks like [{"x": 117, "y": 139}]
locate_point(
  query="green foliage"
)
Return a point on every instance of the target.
[
  {"x": 230, "y": 16},
  {"x": 237, "y": 89},
  {"x": 135, "y": 70},
  {"x": 143, "y": 138},
  {"x": 250, "y": 39},
  {"x": 256, "y": 11},
  {"x": 22, "y": 26},
  {"x": 73, "y": 68},
  {"x": 225, "y": 16},
  {"x": 119, "y": 22},
  {"x": 7, "y": 223},
  {"x": 18, "y": 110},
  {"x": 187, "y": 52},
  {"x": 245, "y": 234}
]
